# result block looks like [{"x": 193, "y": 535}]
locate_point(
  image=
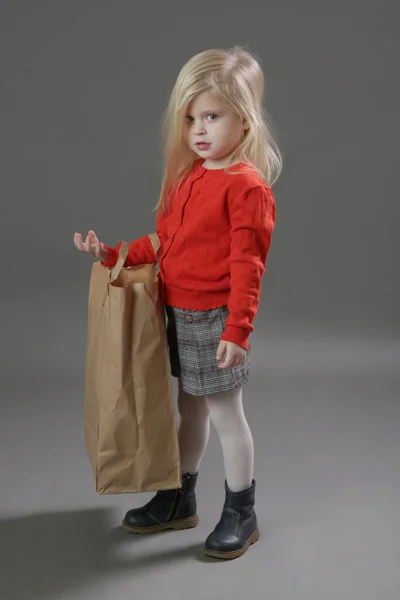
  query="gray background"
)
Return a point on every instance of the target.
[{"x": 83, "y": 88}]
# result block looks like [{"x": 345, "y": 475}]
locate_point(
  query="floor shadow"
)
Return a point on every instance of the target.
[{"x": 43, "y": 555}]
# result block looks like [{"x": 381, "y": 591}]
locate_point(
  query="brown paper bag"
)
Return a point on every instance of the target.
[{"x": 130, "y": 427}]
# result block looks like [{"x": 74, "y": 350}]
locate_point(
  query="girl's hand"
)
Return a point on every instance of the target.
[
  {"x": 235, "y": 355},
  {"x": 91, "y": 245}
]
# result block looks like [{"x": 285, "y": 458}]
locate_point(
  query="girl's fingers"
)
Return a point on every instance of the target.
[
  {"x": 91, "y": 238},
  {"x": 236, "y": 362},
  {"x": 233, "y": 358},
  {"x": 92, "y": 244},
  {"x": 78, "y": 241},
  {"x": 221, "y": 349},
  {"x": 228, "y": 360},
  {"x": 96, "y": 248}
]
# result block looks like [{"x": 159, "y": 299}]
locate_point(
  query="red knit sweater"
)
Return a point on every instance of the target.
[{"x": 215, "y": 239}]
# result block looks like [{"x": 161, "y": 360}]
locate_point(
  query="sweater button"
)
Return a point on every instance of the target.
[{"x": 189, "y": 318}]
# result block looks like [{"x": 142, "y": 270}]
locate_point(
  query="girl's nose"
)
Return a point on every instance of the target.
[{"x": 199, "y": 128}]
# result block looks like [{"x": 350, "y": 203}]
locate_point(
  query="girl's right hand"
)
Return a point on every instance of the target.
[{"x": 91, "y": 245}]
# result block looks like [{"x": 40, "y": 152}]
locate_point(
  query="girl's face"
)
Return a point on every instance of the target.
[{"x": 212, "y": 131}]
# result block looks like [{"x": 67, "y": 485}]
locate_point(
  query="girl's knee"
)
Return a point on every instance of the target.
[
  {"x": 191, "y": 407},
  {"x": 226, "y": 409}
]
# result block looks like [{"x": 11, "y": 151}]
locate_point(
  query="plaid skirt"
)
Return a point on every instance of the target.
[{"x": 193, "y": 340}]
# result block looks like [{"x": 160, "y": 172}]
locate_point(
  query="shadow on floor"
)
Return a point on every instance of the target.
[{"x": 50, "y": 553}]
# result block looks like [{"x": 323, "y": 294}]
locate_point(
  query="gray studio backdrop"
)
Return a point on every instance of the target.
[{"x": 83, "y": 88}]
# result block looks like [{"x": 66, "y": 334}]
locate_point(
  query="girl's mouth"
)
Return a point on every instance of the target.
[{"x": 202, "y": 145}]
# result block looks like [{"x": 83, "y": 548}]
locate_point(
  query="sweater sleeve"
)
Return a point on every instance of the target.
[
  {"x": 140, "y": 251},
  {"x": 252, "y": 217}
]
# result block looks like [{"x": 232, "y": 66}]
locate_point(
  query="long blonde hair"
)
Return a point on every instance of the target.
[{"x": 236, "y": 77}]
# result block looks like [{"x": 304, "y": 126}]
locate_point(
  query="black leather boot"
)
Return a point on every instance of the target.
[
  {"x": 169, "y": 509},
  {"x": 237, "y": 529}
]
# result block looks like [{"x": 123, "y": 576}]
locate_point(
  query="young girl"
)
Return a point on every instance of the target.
[{"x": 215, "y": 219}]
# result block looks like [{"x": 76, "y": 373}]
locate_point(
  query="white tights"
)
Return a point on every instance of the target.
[{"x": 225, "y": 410}]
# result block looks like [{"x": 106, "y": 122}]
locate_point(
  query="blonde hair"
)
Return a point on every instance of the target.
[{"x": 236, "y": 78}]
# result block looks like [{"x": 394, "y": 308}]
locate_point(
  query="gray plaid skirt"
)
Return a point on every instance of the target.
[{"x": 193, "y": 339}]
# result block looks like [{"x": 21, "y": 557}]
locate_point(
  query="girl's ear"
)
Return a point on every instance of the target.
[{"x": 245, "y": 124}]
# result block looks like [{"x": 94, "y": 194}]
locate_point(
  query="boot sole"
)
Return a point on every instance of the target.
[
  {"x": 173, "y": 525},
  {"x": 236, "y": 553}
]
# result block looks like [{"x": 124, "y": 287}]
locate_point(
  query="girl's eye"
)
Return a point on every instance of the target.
[{"x": 210, "y": 117}]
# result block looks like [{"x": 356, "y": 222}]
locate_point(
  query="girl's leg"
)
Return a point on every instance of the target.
[
  {"x": 194, "y": 429},
  {"x": 228, "y": 418},
  {"x": 237, "y": 528},
  {"x": 177, "y": 509}
]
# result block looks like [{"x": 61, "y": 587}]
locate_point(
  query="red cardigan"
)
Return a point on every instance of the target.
[{"x": 215, "y": 239}]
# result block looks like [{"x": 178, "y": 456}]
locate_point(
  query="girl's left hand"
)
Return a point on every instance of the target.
[{"x": 235, "y": 355}]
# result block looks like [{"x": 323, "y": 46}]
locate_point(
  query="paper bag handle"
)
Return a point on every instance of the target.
[
  {"x": 123, "y": 253},
  {"x": 155, "y": 242}
]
